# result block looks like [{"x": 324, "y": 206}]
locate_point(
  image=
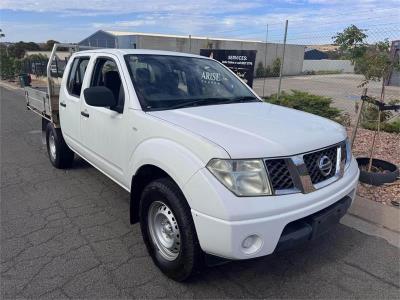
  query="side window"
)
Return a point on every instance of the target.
[
  {"x": 76, "y": 75},
  {"x": 106, "y": 74}
]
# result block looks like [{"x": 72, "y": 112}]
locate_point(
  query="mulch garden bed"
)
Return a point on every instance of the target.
[{"x": 387, "y": 148}]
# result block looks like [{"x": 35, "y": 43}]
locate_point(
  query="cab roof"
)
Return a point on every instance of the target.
[{"x": 139, "y": 51}]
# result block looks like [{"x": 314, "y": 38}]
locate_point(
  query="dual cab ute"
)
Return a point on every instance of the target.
[{"x": 212, "y": 170}]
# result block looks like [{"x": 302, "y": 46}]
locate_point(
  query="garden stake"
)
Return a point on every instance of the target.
[
  {"x": 353, "y": 135},
  {"x": 376, "y": 133}
]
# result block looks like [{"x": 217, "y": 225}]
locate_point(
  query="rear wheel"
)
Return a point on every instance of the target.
[
  {"x": 59, "y": 153},
  {"x": 168, "y": 230}
]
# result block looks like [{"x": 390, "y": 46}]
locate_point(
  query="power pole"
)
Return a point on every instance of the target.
[
  {"x": 282, "y": 62},
  {"x": 265, "y": 60}
]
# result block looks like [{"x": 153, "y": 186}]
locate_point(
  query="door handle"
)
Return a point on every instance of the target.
[
  {"x": 85, "y": 114},
  {"x": 63, "y": 104}
]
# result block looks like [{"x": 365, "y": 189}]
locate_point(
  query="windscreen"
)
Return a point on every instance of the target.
[{"x": 170, "y": 82}]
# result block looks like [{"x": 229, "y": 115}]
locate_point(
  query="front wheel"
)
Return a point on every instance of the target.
[
  {"x": 168, "y": 230},
  {"x": 59, "y": 153}
]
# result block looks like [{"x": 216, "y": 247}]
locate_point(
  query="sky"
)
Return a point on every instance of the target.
[{"x": 309, "y": 21}]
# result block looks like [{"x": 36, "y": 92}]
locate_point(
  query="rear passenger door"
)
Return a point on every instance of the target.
[{"x": 70, "y": 101}]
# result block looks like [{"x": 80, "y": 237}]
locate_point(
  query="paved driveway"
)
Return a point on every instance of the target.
[{"x": 65, "y": 234}]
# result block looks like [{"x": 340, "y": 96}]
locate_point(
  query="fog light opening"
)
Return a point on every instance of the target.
[{"x": 251, "y": 244}]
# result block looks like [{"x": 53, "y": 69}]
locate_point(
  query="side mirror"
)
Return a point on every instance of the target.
[{"x": 99, "y": 96}]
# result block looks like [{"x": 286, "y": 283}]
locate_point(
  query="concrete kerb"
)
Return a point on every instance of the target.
[
  {"x": 9, "y": 86},
  {"x": 375, "y": 219}
]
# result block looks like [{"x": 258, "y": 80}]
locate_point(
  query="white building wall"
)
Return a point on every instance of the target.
[
  {"x": 293, "y": 58},
  {"x": 127, "y": 42},
  {"x": 344, "y": 66}
]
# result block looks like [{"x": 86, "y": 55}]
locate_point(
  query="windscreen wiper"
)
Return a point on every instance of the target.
[
  {"x": 242, "y": 99},
  {"x": 212, "y": 100},
  {"x": 201, "y": 101}
]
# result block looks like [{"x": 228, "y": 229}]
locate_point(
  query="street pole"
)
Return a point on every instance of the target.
[
  {"x": 265, "y": 60},
  {"x": 190, "y": 43},
  {"x": 282, "y": 62}
]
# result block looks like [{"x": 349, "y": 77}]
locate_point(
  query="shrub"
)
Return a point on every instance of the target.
[
  {"x": 8, "y": 66},
  {"x": 268, "y": 72},
  {"x": 307, "y": 72},
  {"x": 260, "y": 71},
  {"x": 315, "y": 104},
  {"x": 264, "y": 72},
  {"x": 322, "y": 72},
  {"x": 329, "y": 72},
  {"x": 369, "y": 118},
  {"x": 393, "y": 126},
  {"x": 276, "y": 67}
]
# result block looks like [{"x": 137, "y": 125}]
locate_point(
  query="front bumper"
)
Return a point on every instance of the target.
[
  {"x": 223, "y": 221},
  {"x": 312, "y": 226}
]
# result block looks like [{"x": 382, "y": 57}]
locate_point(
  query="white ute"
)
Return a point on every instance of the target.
[{"x": 213, "y": 171}]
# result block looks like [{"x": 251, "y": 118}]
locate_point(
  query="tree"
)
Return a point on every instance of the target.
[
  {"x": 7, "y": 63},
  {"x": 376, "y": 64},
  {"x": 351, "y": 42},
  {"x": 49, "y": 45},
  {"x": 3, "y": 48},
  {"x": 18, "y": 50},
  {"x": 37, "y": 57},
  {"x": 373, "y": 61}
]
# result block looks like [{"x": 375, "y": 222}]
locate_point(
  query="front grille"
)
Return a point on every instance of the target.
[
  {"x": 279, "y": 174},
  {"x": 312, "y": 160}
]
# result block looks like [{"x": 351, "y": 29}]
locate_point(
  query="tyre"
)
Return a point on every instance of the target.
[
  {"x": 59, "y": 153},
  {"x": 168, "y": 230},
  {"x": 389, "y": 174}
]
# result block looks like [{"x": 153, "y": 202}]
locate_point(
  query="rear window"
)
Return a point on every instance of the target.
[{"x": 76, "y": 75}]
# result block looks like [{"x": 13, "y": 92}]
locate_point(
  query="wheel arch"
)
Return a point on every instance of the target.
[
  {"x": 44, "y": 128},
  {"x": 144, "y": 175},
  {"x": 157, "y": 158}
]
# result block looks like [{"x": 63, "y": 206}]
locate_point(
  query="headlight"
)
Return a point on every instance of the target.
[
  {"x": 348, "y": 152},
  {"x": 242, "y": 177}
]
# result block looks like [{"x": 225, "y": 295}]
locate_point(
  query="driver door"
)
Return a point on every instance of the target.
[{"x": 103, "y": 129}]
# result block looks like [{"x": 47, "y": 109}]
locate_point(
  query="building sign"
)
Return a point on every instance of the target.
[{"x": 239, "y": 61}]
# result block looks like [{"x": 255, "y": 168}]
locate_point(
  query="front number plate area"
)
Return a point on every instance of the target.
[{"x": 322, "y": 221}]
